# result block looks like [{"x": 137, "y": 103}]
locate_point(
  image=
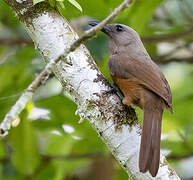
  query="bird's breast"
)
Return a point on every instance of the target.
[{"x": 132, "y": 90}]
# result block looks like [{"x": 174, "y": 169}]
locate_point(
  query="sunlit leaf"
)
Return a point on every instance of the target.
[
  {"x": 76, "y": 4},
  {"x": 37, "y": 1},
  {"x": 60, "y": 7}
]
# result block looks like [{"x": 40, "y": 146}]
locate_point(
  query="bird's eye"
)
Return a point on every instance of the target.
[{"x": 119, "y": 28}]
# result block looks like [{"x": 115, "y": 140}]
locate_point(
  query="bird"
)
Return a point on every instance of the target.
[{"x": 140, "y": 82}]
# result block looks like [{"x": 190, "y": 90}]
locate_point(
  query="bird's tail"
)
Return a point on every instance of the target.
[{"x": 149, "y": 156}]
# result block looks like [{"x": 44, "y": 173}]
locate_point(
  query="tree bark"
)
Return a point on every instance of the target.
[{"x": 116, "y": 125}]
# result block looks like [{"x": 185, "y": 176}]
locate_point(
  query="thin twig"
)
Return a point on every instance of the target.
[
  {"x": 72, "y": 156},
  {"x": 161, "y": 60},
  {"x": 168, "y": 37},
  {"x": 9, "y": 41},
  {"x": 148, "y": 40},
  {"x": 27, "y": 95},
  {"x": 178, "y": 157}
]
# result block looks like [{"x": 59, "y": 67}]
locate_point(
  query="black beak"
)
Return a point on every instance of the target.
[{"x": 106, "y": 29}]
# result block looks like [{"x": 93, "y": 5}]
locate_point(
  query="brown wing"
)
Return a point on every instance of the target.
[{"x": 146, "y": 72}]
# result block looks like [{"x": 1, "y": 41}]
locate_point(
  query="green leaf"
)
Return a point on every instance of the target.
[
  {"x": 37, "y": 1},
  {"x": 7, "y": 18},
  {"x": 60, "y": 7},
  {"x": 25, "y": 156},
  {"x": 76, "y": 4},
  {"x": 52, "y": 3}
]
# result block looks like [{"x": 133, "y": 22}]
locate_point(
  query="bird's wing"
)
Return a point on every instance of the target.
[{"x": 146, "y": 72}]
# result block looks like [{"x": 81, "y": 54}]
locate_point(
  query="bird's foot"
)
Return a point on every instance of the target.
[{"x": 115, "y": 89}]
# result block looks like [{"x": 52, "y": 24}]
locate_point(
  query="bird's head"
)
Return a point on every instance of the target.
[{"x": 119, "y": 34}]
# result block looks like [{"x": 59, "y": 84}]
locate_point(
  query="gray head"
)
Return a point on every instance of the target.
[{"x": 120, "y": 36}]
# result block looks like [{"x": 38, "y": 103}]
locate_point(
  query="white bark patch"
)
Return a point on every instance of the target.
[{"x": 19, "y": 1}]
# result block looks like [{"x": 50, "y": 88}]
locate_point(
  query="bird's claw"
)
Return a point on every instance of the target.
[{"x": 114, "y": 89}]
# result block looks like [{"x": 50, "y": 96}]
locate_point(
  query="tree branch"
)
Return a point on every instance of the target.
[
  {"x": 79, "y": 75},
  {"x": 89, "y": 34},
  {"x": 179, "y": 156},
  {"x": 168, "y": 37},
  {"x": 8, "y": 41},
  {"x": 161, "y": 60},
  {"x": 71, "y": 156},
  {"x": 148, "y": 40}
]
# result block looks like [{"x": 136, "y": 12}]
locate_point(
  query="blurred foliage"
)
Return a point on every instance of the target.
[{"x": 55, "y": 146}]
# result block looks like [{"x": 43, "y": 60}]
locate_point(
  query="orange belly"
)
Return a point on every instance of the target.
[{"x": 132, "y": 90}]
